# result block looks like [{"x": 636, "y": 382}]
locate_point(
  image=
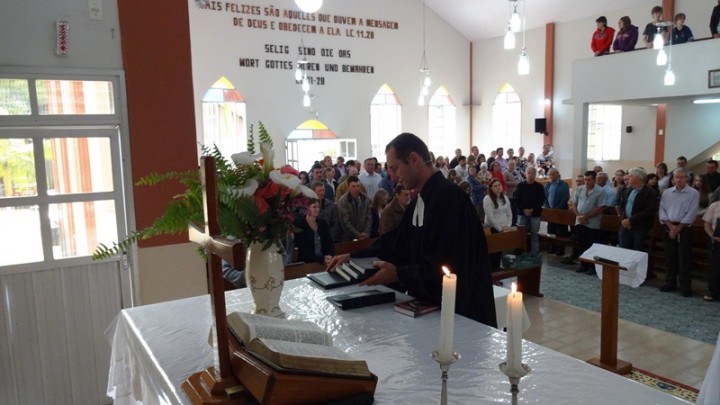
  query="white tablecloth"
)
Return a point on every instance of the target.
[{"x": 156, "y": 347}]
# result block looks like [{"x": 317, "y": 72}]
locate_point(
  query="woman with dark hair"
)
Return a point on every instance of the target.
[
  {"x": 313, "y": 240},
  {"x": 652, "y": 182},
  {"x": 661, "y": 170},
  {"x": 498, "y": 215},
  {"x": 626, "y": 37},
  {"x": 303, "y": 178}
]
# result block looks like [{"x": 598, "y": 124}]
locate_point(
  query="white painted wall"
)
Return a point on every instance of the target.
[
  {"x": 343, "y": 103},
  {"x": 27, "y": 34},
  {"x": 697, "y": 127}
]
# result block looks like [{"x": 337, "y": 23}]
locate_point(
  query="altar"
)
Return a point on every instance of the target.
[{"x": 156, "y": 347}]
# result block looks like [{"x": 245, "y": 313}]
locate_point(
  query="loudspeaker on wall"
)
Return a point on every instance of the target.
[
  {"x": 628, "y": 129},
  {"x": 541, "y": 125}
]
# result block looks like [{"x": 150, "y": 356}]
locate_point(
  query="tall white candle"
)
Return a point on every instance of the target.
[
  {"x": 447, "y": 315},
  {"x": 514, "y": 329}
]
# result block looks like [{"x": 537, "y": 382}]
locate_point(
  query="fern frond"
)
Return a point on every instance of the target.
[
  {"x": 155, "y": 178},
  {"x": 264, "y": 136},
  {"x": 251, "y": 140}
]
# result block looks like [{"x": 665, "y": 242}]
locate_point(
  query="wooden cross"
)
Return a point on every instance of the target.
[{"x": 222, "y": 384}]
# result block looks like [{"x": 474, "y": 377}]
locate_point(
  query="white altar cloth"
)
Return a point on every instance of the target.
[{"x": 155, "y": 347}]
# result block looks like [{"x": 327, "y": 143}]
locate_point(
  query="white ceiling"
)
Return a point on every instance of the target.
[{"x": 482, "y": 19}]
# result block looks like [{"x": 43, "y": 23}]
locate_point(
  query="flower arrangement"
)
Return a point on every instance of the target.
[{"x": 256, "y": 202}]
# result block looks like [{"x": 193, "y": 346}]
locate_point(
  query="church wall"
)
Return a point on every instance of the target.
[{"x": 220, "y": 44}]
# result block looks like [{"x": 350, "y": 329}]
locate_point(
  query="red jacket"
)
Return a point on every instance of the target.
[{"x": 601, "y": 41}]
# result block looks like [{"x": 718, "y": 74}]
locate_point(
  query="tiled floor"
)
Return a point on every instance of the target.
[{"x": 576, "y": 332}]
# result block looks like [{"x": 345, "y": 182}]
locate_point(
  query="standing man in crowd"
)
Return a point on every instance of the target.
[
  {"x": 712, "y": 177},
  {"x": 456, "y": 160},
  {"x": 681, "y": 162},
  {"x": 393, "y": 213},
  {"x": 678, "y": 209},
  {"x": 369, "y": 178},
  {"x": 500, "y": 159},
  {"x": 715, "y": 21},
  {"x": 440, "y": 228},
  {"x": 557, "y": 194},
  {"x": 339, "y": 167},
  {"x": 328, "y": 211},
  {"x": 530, "y": 196},
  {"x": 588, "y": 207},
  {"x": 638, "y": 205},
  {"x": 354, "y": 209}
]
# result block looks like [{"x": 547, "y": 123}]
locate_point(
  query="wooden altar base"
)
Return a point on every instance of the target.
[
  {"x": 620, "y": 366},
  {"x": 204, "y": 388}
]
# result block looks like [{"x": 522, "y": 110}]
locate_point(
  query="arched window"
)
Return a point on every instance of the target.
[
  {"x": 441, "y": 123},
  {"x": 385, "y": 120},
  {"x": 224, "y": 115},
  {"x": 506, "y": 119}
]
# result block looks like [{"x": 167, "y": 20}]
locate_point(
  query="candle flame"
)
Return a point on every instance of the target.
[
  {"x": 446, "y": 271},
  {"x": 513, "y": 288}
]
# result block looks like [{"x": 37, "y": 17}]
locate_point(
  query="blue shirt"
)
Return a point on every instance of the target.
[
  {"x": 630, "y": 202},
  {"x": 609, "y": 195},
  {"x": 586, "y": 201},
  {"x": 679, "y": 205}
]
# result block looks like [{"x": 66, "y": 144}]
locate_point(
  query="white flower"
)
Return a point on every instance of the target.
[
  {"x": 307, "y": 192},
  {"x": 244, "y": 158},
  {"x": 287, "y": 180},
  {"x": 250, "y": 187},
  {"x": 267, "y": 154}
]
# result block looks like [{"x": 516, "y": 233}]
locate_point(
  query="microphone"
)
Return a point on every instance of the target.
[{"x": 606, "y": 261}]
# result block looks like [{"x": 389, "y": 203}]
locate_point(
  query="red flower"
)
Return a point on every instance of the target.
[
  {"x": 287, "y": 169},
  {"x": 262, "y": 205},
  {"x": 269, "y": 190}
]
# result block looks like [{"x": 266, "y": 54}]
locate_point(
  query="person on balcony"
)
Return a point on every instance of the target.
[
  {"x": 627, "y": 36},
  {"x": 602, "y": 38}
]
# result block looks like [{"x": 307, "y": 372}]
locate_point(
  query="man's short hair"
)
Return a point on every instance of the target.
[
  {"x": 350, "y": 162},
  {"x": 683, "y": 158},
  {"x": 318, "y": 166},
  {"x": 530, "y": 169},
  {"x": 340, "y": 159},
  {"x": 656, "y": 9},
  {"x": 680, "y": 170},
  {"x": 679, "y": 16},
  {"x": 317, "y": 184},
  {"x": 638, "y": 172},
  {"x": 591, "y": 173},
  {"x": 601, "y": 19},
  {"x": 352, "y": 179},
  {"x": 406, "y": 143},
  {"x": 712, "y": 162},
  {"x": 462, "y": 157},
  {"x": 603, "y": 174},
  {"x": 399, "y": 188}
]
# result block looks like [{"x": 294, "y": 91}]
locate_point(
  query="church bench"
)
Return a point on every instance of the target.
[
  {"x": 699, "y": 265},
  {"x": 558, "y": 216},
  {"x": 353, "y": 245},
  {"x": 528, "y": 279}
]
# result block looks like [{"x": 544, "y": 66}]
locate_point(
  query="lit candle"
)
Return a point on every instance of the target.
[
  {"x": 514, "y": 329},
  {"x": 447, "y": 315}
]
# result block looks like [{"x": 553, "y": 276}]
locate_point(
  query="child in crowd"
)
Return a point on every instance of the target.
[
  {"x": 681, "y": 33},
  {"x": 652, "y": 27}
]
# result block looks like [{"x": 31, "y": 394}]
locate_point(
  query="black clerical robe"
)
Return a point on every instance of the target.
[{"x": 450, "y": 235}]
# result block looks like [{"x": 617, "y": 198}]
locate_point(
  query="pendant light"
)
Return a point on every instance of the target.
[{"x": 309, "y": 6}]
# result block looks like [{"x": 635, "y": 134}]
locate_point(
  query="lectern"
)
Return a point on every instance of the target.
[{"x": 609, "y": 317}]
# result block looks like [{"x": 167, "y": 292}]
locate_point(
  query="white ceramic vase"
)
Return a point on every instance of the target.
[{"x": 265, "y": 277}]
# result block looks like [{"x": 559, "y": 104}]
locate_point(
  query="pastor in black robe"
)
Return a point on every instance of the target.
[{"x": 450, "y": 235}]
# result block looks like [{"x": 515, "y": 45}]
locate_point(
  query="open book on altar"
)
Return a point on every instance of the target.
[{"x": 292, "y": 344}]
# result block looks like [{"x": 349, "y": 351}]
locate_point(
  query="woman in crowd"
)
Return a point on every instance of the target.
[
  {"x": 497, "y": 173},
  {"x": 704, "y": 189},
  {"x": 453, "y": 176},
  {"x": 313, "y": 239},
  {"x": 484, "y": 175},
  {"x": 498, "y": 215},
  {"x": 441, "y": 166},
  {"x": 661, "y": 170},
  {"x": 303, "y": 176},
  {"x": 379, "y": 202},
  {"x": 652, "y": 181},
  {"x": 530, "y": 161},
  {"x": 626, "y": 37}
]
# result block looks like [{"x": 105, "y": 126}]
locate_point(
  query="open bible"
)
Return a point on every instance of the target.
[{"x": 295, "y": 345}]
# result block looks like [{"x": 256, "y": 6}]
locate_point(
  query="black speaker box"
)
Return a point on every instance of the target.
[{"x": 540, "y": 125}]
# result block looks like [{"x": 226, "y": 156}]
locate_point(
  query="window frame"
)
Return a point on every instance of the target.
[{"x": 39, "y": 127}]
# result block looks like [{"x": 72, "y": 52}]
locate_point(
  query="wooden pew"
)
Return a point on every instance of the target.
[
  {"x": 353, "y": 246},
  {"x": 528, "y": 278},
  {"x": 558, "y": 216},
  {"x": 699, "y": 265}
]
